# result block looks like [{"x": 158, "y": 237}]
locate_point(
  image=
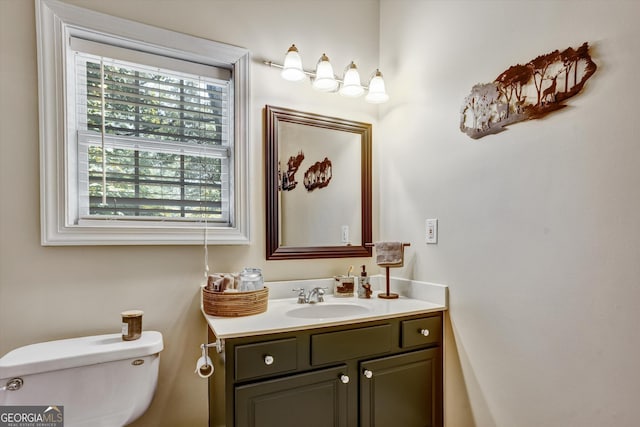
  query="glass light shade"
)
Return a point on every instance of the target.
[
  {"x": 292, "y": 68},
  {"x": 377, "y": 93},
  {"x": 325, "y": 81},
  {"x": 351, "y": 82}
]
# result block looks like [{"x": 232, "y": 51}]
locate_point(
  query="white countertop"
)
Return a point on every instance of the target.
[{"x": 278, "y": 319}]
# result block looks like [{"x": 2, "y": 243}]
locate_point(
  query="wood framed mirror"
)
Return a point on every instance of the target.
[{"x": 318, "y": 185}]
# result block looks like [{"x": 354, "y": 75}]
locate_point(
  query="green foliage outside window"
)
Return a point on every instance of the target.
[{"x": 164, "y": 108}]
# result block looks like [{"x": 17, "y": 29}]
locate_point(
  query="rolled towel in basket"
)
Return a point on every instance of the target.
[
  {"x": 220, "y": 282},
  {"x": 389, "y": 254},
  {"x": 214, "y": 283}
]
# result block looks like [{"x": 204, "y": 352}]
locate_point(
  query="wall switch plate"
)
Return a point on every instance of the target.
[
  {"x": 344, "y": 234},
  {"x": 431, "y": 231}
]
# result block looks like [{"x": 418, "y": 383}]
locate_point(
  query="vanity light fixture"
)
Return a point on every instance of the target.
[
  {"x": 351, "y": 83},
  {"x": 292, "y": 67},
  {"x": 324, "y": 81},
  {"x": 377, "y": 93},
  {"x": 323, "y": 78}
]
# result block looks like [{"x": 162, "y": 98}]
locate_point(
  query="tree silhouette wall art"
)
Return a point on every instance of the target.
[
  {"x": 526, "y": 92},
  {"x": 287, "y": 180},
  {"x": 318, "y": 175}
]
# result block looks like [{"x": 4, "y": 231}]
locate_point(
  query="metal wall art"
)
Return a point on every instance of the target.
[
  {"x": 318, "y": 175},
  {"x": 288, "y": 178},
  {"x": 525, "y": 92}
]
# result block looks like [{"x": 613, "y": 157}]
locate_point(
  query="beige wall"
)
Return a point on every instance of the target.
[
  {"x": 59, "y": 292},
  {"x": 539, "y": 237}
]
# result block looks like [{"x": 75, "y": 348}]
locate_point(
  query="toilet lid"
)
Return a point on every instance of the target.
[{"x": 74, "y": 352}]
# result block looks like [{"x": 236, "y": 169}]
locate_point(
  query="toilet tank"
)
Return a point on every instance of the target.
[{"x": 99, "y": 380}]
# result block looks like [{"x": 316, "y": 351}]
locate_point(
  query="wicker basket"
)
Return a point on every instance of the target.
[{"x": 234, "y": 304}]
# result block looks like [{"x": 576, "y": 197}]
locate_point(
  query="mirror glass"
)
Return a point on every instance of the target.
[{"x": 318, "y": 185}]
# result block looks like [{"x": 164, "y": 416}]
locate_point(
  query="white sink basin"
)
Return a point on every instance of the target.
[{"x": 327, "y": 310}]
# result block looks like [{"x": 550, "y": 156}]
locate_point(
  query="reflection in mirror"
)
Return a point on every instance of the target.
[
  {"x": 318, "y": 185},
  {"x": 314, "y": 207}
]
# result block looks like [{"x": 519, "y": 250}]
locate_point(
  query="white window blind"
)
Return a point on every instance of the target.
[{"x": 153, "y": 136}]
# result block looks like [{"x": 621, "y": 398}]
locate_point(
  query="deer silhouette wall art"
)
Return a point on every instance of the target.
[{"x": 526, "y": 92}]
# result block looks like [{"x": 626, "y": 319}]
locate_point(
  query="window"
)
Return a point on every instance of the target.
[
  {"x": 143, "y": 141},
  {"x": 152, "y": 143}
]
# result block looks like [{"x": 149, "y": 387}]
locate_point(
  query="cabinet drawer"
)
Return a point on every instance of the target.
[
  {"x": 421, "y": 331},
  {"x": 344, "y": 345},
  {"x": 265, "y": 358}
]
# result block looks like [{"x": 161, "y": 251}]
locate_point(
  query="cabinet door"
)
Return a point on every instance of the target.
[
  {"x": 402, "y": 390},
  {"x": 313, "y": 399}
]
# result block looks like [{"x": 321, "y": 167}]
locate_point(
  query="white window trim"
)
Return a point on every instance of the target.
[{"x": 57, "y": 21}]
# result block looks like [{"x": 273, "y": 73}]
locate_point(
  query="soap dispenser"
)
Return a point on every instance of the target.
[{"x": 364, "y": 287}]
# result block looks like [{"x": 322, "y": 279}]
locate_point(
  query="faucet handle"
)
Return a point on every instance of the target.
[
  {"x": 301, "y": 295},
  {"x": 320, "y": 292}
]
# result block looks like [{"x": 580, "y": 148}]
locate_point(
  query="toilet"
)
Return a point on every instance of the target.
[{"x": 100, "y": 381}]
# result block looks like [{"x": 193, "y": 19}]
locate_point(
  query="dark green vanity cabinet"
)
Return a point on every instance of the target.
[
  {"x": 403, "y": 390},
  {"x": 317, "y": 398},
  {"x": 385, "y": 373}
]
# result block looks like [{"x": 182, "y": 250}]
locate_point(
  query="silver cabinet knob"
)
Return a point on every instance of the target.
[
  {"x": 367, "y": 373},
  {"x": 344, "y": 379},
  {"x": 268, "y": 359},
  {"x": 424, "y": 332}
]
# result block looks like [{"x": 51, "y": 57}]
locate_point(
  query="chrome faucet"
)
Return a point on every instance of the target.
[
  {"x": 319, "y": 294},
  {"x": 304, "y": 298}
]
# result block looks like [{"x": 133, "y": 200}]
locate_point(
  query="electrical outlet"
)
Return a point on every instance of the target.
[
  {"x": 431, "y": 231},
  {"x": 344, "y": 234}
]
